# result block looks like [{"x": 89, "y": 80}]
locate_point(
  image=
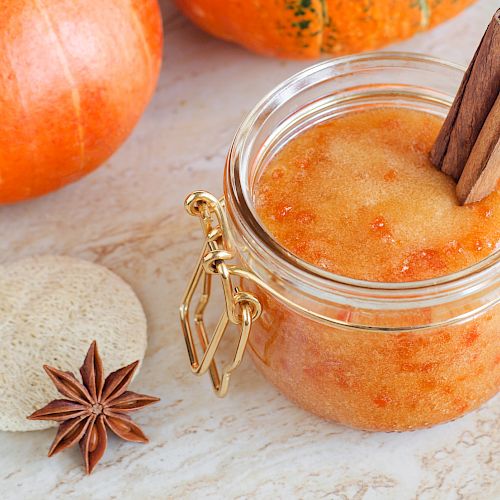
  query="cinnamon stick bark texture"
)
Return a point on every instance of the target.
[
  {"x": 473, "y": 104},
  {"x": 482, "y": 170}
]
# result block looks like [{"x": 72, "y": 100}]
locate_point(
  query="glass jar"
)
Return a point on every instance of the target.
[{"x": 375, "y": 356}]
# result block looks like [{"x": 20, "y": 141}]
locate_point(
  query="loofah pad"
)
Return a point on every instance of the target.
[{"x": 51, "y": 308}]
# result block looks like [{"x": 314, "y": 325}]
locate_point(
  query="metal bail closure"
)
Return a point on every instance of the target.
[{"x": 241, "y": 308}]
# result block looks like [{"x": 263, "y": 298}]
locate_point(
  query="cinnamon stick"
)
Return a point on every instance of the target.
[
  {"x": 481, "y": 172},
  {"x": 474, "y": 117}
]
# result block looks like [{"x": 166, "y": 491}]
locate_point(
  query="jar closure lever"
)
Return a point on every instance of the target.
[{"x": 241, "y": 308}]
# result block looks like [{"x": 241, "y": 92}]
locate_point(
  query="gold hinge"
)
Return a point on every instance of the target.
[{"x": 241, "y": 308}]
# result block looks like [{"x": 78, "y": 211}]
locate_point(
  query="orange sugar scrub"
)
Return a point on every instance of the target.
[{"x": 358, "y": 197}]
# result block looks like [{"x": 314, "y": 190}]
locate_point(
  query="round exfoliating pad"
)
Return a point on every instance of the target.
[{"x": 51, "y": 309}]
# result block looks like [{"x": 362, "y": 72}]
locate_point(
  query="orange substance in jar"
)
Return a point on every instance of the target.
[{"x": 358, "y": 197}]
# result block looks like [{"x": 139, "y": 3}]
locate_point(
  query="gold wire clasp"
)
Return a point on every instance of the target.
[{"x": 241, "y": 308}]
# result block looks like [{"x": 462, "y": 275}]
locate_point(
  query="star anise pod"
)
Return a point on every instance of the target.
[{"x": 93, "y": 406}]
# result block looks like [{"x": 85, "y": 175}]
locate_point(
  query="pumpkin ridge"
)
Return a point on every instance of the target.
[
  {"x": 75, "y": 92},
  {"x": 140, "y": 32},
  {"x": 325, "y": 21},
  {"x": 32, "y": 146},
  {"x": 306, "y": 20},
  {"x": 425, "y": 10}
]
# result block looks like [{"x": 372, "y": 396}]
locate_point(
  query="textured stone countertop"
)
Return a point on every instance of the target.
[{"x": 129, "y": 216}]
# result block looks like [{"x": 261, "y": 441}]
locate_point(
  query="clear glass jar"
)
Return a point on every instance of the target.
[{"x": 377, "y": 356}]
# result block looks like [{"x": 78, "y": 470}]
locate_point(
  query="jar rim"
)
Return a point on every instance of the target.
[{"x": 239, "y": 201}]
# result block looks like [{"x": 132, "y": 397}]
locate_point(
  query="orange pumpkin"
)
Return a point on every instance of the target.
[
  {"x": 75, "y": 76},
  {"x": 303, "y": 29}
]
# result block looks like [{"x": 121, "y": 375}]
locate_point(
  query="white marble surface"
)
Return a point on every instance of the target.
[{"x": 254, "y": 444}]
